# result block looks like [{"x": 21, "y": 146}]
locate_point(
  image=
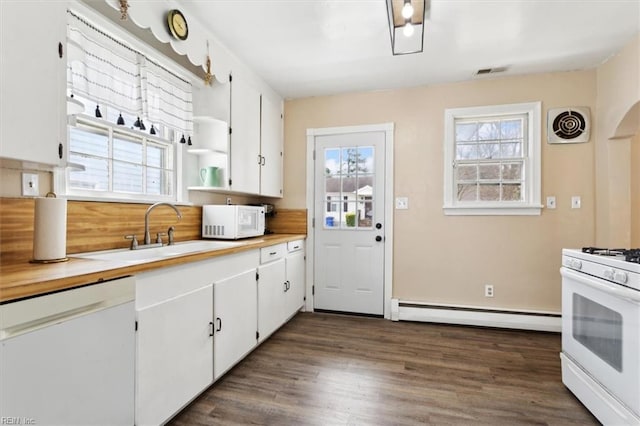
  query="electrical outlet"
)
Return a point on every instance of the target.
[
  {"x": 30, "y": 184},
  {"x": 488, "y": 290},
  {"x": 576, "y": 202},
  {"x": 402, "y": 203},
  {"x": 228, "y": 201},
  {"x": 551, "y": 202}
]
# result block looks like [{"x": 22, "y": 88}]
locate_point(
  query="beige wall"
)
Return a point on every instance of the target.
[
  {"x": 618, "y": 93},
  {"x": 445, "y": 259}
]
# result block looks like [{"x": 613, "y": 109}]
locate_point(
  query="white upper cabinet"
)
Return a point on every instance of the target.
[
  {"x": 271, "y": 147},
  {"x": 32, "y": 81},
  {"x": 245, "y": 137},
  {"x": 256, "y": 141}
]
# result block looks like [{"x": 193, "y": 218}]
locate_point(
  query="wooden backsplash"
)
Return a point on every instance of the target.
[
  {"x": 99, "y": 226},
  {"x": 92, "y": 225}
]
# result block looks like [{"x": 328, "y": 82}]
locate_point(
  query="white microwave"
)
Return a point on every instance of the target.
[{"x": 231, "y": 222}]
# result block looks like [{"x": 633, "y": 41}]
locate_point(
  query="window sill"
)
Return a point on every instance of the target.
[
  {"x": 524, "y": 210},
  {"x": 76, "y": 197}
]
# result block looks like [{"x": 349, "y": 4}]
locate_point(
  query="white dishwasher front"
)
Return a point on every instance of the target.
[{"x": 68, "y": 358}]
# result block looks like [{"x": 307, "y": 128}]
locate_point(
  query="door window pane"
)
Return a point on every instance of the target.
[{"x": 349, "y": 187}]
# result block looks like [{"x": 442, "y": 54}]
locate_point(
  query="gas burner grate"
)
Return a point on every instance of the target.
[
  {"x": 632, "y": 255},
  {"x": 603, "y": 251}
]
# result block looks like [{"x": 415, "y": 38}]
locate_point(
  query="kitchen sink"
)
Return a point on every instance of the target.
[{"x": 142, "y": 255}]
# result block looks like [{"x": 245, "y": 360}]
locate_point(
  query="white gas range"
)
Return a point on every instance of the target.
[{"x": 601, "y": 331}]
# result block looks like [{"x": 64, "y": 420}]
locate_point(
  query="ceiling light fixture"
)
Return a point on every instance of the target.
[
  {"x": 407, "y": 9},
  {"x": 406, "y": 25}
]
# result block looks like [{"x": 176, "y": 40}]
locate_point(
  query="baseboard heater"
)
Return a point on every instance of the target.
[{"x": 477, "y": 316}]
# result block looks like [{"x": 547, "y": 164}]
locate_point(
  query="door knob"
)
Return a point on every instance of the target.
[{"x": 378, "y": 238}]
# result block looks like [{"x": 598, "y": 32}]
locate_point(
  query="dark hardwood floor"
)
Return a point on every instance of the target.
[{"x": 327, "y": 369}]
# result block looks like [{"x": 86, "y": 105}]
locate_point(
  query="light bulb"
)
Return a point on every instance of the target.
[
  {"x": 407, "y": 10},
  {"x": 407, "y": 29}
]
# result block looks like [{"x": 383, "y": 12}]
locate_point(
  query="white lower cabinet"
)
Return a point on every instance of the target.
[
  {"x": 197, "y": 320},
  {"x": 174, "y": 342},
  {"x": 271, "y": 297},
  {"x": 235, "y": 320},
  {"x": 280, "y": 286},
  {"x": 295, "y": 275}
]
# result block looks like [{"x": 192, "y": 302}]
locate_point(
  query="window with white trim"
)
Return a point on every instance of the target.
[
  {"x": 137, "y": 112},
  {"x": 492, "y": 160}
]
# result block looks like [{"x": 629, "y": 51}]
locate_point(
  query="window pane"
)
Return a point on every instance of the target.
[
  {"x": 95, "y": 177},
  {"x": 512, "y": 192},
  {"x": 351, "y": 215},
  {"x": 127, "y": 150},
  {"x": 467, "y": 192},
  {"x": 366, "y": 214},
  {"x": 512, "y": 171},
  {"x": 365, "y": 187},
  {"x": 159, "y": 181},
  {"x": 94, "y": 142},
  {"x": 489, "y": 171},
  {"x": 349, "y": 186},
  {"x": 127, "y": 177},
  {"x": 511, "y": 150},
  {"x": 466, "y": 132},
  {"x": 489, "y": 150},
  {"x": 332, "y": 162},
  {"x": 489, "y": 192},
  {"x": 467, "y": 172},
  {"x": 156, "y": 156},
  {"x": 364, "y": 158},
  {"x": 489, "y": 131},
  {"x": 354, "y": 160},
  {"x": 511, "y": 129},
  {"x": 466, "y": 151}
]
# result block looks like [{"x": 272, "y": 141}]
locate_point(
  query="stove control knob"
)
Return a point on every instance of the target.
[
  {"x": 576, "y": 264},
  {"x": 609, "y": 273},
  {"x": 620, "y": 277}
]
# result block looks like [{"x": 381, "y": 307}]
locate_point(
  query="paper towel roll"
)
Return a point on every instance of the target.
[{"x": 50, "y": 229}]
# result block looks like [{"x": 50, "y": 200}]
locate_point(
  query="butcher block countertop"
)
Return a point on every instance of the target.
[{"x": 21, "y": 280}]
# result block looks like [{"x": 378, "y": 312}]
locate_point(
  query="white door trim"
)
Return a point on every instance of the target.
[{"x": 388, "y": 128}]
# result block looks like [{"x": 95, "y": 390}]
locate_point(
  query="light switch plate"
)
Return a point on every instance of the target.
[
  {"x": 30, "y": 184},
  {"x": 551, "y": 202},
  {"x": 402, "y": 203},
  {"x": 576, "y": 202}
]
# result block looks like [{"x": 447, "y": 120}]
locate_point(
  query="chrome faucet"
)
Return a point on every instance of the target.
[{"x": 147, "y": 235}]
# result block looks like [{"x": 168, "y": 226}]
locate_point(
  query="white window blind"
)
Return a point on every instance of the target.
[{"x": 111, "y": 72}]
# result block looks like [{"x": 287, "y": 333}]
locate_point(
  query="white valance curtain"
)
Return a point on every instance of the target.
[{"x": 113, "y": 73}]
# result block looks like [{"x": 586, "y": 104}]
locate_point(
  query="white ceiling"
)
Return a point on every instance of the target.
[{"x": 319, "y": 47}]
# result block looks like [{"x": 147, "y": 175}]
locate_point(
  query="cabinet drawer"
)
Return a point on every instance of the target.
[
  {"x": 295, "y": 245},
  {"x": 268, "y": 254}
]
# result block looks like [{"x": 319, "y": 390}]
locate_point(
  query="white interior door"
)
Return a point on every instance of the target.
[{"x": 350, "y": 222}]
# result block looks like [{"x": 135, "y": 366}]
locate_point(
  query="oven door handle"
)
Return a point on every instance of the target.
[{"x": 615, "y": 289}]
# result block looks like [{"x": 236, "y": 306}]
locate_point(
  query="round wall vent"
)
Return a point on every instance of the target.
[{"x": 568, "y": 125}]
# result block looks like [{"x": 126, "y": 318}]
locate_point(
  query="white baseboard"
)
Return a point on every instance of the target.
[{"x": 477, "y": 316}]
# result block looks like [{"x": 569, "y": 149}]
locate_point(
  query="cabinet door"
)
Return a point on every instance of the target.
[
  {"x": 245, "y": 138},
  {"x": 271, "y": 297},
  {"x": 296, "y": 279},
  {"x": 235, "y": 310},
  {"x": 175, "y": 352},
  {"x": 271, "y": 148},
  {"x": 32, "y": 81}
]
